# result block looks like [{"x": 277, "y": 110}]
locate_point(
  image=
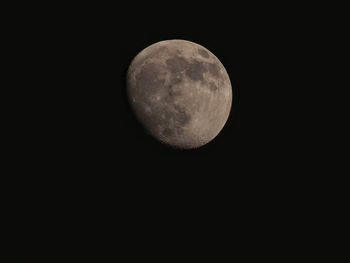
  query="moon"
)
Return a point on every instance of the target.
[{"x": 180, "y": 92}]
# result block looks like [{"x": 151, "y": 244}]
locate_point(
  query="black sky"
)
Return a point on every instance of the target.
[{"x": 80, "y": 161}]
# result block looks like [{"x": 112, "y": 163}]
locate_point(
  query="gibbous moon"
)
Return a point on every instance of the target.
[{"x": 180, "y": 92}]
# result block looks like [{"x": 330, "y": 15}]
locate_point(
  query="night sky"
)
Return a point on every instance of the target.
[{"x": 84, "y": 155}]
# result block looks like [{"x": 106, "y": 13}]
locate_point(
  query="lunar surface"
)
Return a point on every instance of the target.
[{"x": 180, "y": 92}]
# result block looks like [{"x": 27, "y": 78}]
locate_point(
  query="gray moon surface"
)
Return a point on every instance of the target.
[{"x": 180, "y": 92}]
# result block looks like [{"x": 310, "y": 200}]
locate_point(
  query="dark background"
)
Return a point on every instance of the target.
[{"x": 84, "y": 158}]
